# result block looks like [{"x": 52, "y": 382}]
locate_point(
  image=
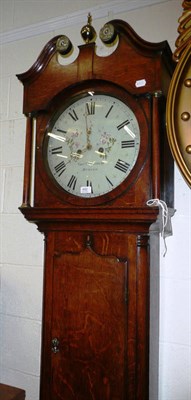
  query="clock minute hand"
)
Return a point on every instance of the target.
[{"x": 88, "y": 132}]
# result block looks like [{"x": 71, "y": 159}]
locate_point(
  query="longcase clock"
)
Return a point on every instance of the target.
[{"x": 96, "y": 151}]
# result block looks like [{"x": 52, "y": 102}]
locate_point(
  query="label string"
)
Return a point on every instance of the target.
[{"x": 165, "y": 219}]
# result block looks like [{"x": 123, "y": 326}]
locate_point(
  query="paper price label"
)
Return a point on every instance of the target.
[{"x": 85, "y": 189}]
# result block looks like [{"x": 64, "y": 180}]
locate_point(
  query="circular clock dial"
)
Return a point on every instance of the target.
[{"x": 92, "y": 146}]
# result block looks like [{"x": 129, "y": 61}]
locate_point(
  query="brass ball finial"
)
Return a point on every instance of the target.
[{"x": 88, "y": 32}]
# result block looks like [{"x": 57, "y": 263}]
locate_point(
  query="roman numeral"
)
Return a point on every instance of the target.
[
  {"x": 89, "y": 184},
  {"x": 127, "y": 144},
  {"x": 106, "y": 115},
  {"x": 122, "y": 166},
  {"x": 109, "y": 181},
  {"x": 90, "y": 108},
  {"x": 72, "y": 182},
  {"x": 56, "y": 150},
  {"x": 73, "y": 115},
  {"x": 60, "y": 130},
  {"x": 60, "y": 168},
  {"x": 120, "y": 126}
]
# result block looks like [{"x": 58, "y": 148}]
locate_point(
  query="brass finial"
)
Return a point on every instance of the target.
[{"x": 88, "y": 32}]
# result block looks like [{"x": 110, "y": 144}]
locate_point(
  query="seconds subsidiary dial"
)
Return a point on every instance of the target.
[{"x": 92, "y": 145}]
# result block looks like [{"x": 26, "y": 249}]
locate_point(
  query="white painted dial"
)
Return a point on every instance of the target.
[{"x": 93, "y": 145}]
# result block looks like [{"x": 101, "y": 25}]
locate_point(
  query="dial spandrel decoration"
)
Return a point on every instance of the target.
[{"x": 92, "y": 146}]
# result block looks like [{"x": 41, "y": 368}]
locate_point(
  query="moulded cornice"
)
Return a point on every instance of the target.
[
  {"x": 53, "y": 24},
  {"x": 121, "y": 27}
]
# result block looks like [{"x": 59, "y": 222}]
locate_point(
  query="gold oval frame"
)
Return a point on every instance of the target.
[{"x": 179, "y": 129}]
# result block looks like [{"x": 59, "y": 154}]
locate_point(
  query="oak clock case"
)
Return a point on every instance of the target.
[
  {"x": 93, "y": 143},
  {"x": 100, "y": 153}
]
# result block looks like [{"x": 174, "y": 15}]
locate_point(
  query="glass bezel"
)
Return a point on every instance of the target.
[{"x": 66, "y": 99}]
